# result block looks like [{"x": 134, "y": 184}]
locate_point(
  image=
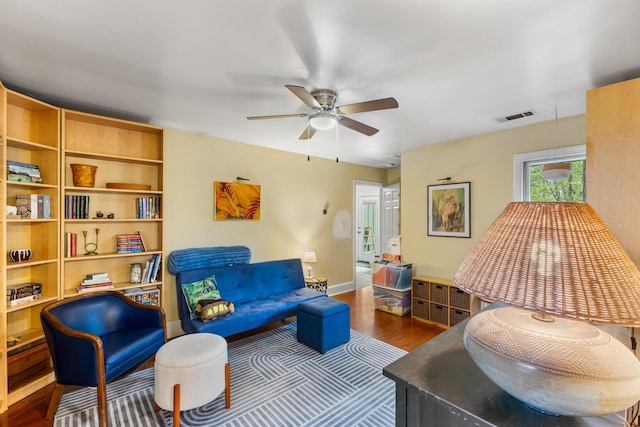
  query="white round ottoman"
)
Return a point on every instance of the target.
[{"x": 191, "y": 370}]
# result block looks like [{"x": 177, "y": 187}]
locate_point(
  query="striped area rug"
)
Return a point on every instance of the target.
[{"x": 275, "y": 381}]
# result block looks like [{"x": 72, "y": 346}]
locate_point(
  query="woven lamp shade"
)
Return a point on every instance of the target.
[{"x": 555, "y": 258}]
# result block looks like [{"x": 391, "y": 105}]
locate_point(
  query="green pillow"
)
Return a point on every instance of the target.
[{"x": 202, "y": 289}]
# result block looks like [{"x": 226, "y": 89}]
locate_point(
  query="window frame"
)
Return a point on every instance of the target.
[{"x": 520, "y": 162}]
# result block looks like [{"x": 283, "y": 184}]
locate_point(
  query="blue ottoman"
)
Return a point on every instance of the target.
[{"x": 323, "y": 323}]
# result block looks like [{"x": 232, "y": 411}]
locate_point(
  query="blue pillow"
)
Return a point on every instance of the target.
[{"x": 202, "y": 289}]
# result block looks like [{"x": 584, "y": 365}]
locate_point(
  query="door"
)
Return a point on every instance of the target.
[
  {"x": 368, "y": 230},
  {"x": 390, "y": 215}
]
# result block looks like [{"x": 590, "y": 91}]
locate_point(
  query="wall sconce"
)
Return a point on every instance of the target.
[{"x": 309, "y": 257}]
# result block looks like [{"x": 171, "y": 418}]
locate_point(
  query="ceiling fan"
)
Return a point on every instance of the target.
[{"x": 326, "y": 114}]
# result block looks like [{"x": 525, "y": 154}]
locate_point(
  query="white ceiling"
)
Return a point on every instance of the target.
[{"x": 204, "y": 65}]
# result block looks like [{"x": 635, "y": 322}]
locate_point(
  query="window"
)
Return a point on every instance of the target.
[{"x": 529, "y": 185}]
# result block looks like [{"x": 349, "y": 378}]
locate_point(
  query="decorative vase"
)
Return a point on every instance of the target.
[
  {"x": 565, "y": 367},
  {"x": 83, "y": 175}
]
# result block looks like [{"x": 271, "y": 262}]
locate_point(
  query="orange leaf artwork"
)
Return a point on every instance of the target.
[{"x": 234, "y": 200}]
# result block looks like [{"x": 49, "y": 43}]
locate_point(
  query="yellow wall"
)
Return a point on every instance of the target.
[
  {"x": 294, "y": 193},
  {"x": 486, "y": 161}
]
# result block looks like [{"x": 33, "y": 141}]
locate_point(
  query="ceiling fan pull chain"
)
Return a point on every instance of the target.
[{"x": 336, "y": 144}]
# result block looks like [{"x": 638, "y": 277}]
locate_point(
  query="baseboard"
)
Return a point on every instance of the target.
[{"x": 341, "y": 288}]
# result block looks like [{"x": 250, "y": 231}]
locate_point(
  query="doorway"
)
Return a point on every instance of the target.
[
  {"x": 367, "y": 226},
  {"x": 377, "y": 219}
]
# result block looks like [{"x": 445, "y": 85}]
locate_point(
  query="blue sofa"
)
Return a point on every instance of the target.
[{"x": 262, "y": 292}]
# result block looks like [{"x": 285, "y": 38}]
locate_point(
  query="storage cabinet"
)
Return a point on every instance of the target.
[
  {"x": 46, "y": 140},
  {"x": 440, "y": 302},
  {"x": 30, "y": 134},
  {"x": 129, "y": 162}
]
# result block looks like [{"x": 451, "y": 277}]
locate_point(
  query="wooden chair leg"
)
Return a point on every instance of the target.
[
  {"x": 55, "y": 401},
  {"x": 176, "y": 405},
  {"x": 227, "y": 385},
  {"x": 102, "y": 405}
]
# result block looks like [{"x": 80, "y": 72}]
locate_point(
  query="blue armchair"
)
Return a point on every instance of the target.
[{"x": 95, "y": 338}]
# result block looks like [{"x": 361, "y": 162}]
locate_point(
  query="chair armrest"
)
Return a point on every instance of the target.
[{"x": 77, "y": 356}]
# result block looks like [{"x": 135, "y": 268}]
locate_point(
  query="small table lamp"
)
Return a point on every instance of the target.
[
  {"x": 309, "y": 257},
  {"x": 558, "y": 267}
]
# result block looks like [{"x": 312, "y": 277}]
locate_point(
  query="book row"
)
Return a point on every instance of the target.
[
  {"x": 23, "y": 293},
  {"x": 125, "y": 243},
  {"x": 33, "y": 206},
  {"x": 147, "y": 295},
  {"x": 70, "y": 244},
  {"x": 148, "y": 207},
  {"x": 150, "y": 271},
  {"x": 76, "y": 207}
]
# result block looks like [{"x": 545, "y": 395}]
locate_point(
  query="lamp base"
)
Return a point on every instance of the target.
[{"x": 564, "y": 367}]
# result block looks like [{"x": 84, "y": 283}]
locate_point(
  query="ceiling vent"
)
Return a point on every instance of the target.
[{"x": 516, "y": 116}]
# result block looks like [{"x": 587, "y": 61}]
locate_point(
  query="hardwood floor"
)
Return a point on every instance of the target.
[{"x": 399, "y": 331}]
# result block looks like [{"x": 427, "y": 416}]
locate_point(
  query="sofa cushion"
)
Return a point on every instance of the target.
[
  {"x": 193, "y": 292},
  {"x": 253, "y": 314},
  {"x": 217, "y": 256}
]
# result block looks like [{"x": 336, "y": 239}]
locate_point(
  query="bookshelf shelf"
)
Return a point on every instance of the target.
[
  {"x": 30, "y": 130},
  {"x": 29, "y": 145},
  {"x": 72, "y": 189},
  {"x": 120, "y": 150}
]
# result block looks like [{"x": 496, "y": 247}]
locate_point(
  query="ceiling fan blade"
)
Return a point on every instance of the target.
[
  {"x": 307, "y": 133},
  {"x": 304, "y": 95},
  {"x": 357, "y": 126},
  {"x": 361, "y": 107},
  {"x": 278, "y": 116}
]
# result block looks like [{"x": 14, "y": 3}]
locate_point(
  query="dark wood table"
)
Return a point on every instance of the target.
[{"x": 439, "y": 385}]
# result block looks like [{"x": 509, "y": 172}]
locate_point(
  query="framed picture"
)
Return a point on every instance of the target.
[
  {"x": 449, "y": 210},
  {"x": 234, "y": 200}
]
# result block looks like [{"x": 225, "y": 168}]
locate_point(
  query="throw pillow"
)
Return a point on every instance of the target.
[{"x": 202, "y": 289}]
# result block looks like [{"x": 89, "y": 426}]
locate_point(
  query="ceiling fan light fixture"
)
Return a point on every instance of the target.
[{"x": 322, "y": 120}]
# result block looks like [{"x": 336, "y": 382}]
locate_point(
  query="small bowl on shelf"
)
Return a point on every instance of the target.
[
  {"x": 20, "y": 255},
  {"x": 128, "y": 186}
]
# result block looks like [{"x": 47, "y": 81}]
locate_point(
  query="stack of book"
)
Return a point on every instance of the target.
[
  {"x": 129, "y": 243},
  {"x": 150, "y": 272},
  {"x": 95, "y": 282},
  {"x": 23, "y": 293},
  {"x": 23, "y": 172}
]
